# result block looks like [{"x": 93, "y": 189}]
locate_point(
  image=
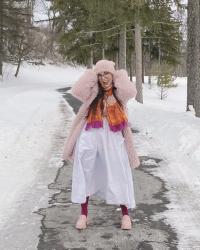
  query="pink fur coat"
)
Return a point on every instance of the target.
[{"x": 86, "y": 89}]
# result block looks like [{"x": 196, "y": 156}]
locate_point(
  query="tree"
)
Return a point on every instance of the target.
[
  {"x": 95, "y": 29},
  {"x": 1, "y": 38},
  {"x": 193, "y": 56},
  {"x": 138, "y": 61},
  {"x": 15, "y": 23}
]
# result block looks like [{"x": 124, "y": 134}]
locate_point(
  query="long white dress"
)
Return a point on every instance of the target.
[{"x": 101, "y": 167}]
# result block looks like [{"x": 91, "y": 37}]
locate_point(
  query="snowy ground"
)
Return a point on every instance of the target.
[
  {"x": 170, "y": 133},
  {"x": 30, "y": 118}
]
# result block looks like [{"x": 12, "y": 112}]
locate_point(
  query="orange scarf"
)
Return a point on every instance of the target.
[{"x": 114, "y": 113}]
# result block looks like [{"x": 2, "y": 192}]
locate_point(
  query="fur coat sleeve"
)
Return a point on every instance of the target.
[
  {"x": 82, "y": 88},
  {"x": 125, "y": 88},
  {"x": 87, "y": 83}
]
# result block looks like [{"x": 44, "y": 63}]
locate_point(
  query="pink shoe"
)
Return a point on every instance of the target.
[
  {"x": 126, "y": 222},
  {"x": 81, "y": 222}
]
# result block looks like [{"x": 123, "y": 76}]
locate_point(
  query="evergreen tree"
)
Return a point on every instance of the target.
[
  {"x": 95, "y": 29},
  {"x": 15, "y": 23}
]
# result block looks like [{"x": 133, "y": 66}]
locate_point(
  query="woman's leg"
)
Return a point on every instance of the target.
[
  {"x": 82, "y": 220},
  {"x": 124, "y": 210},
  {"x": 84, "y": 207},
  {"x": 126, "y": 220}
]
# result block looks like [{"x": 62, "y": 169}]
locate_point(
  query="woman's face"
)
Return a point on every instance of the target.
[{"x": 105, "y": 79}]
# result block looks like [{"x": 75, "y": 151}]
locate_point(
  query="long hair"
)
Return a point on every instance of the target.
[{"x": 100, "y": 95}]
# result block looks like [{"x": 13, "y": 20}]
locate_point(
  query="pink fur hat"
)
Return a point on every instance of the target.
[{"x": 104, "y": 65}]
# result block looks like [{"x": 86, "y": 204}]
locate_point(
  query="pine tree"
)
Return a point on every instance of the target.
[
  {"x": 95, "y": 29},
  {"x": 15, "y": 23}
]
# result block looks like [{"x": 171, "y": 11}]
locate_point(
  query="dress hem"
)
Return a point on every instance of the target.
[{"x": 94, "y": 195}]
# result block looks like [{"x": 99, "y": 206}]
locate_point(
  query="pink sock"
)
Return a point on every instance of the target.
[
  {"x": 84, "y": 207},
  {"x": 124, "y": 210}
]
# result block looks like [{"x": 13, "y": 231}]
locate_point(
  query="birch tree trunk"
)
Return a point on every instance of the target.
[
  {"x": 122, "y": 48},
  {"x": 192, "y": 52},
  {"x": 138, "y": 59}
]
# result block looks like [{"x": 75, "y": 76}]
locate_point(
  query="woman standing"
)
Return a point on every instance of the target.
[{"x": 100, "y": 142}]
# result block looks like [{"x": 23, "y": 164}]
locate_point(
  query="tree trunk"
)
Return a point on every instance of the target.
[
  {"x": 18, "y": 66},
  {"x": 197, "y": 100},
  {"x": 104, "y": 47},
  {"x": 159, "y": 63},
  {"x": 90, "y": 59},
  {"x": 149, "y": 67},
  {"x": 192, "y": 51},
  {"x": 138, "y": 59},
  {"x": 52, "y": 32},
  {"x": 1, "y": 37},
  {"x": 143, "y": 68},
  {"x": 103, "y": 52},
  {"x": 122, "y": 48},
  {"x": 117, "y": 53},
  {"x": 20, "y": 55},
  {"x": 197, "y": 90},
  {"x": 117, "y": 60},
  {"x": 131, "y": 64}
]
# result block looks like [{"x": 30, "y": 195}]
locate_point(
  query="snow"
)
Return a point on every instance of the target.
[
  {"x": 170, "y": 133},
  {"x": 30, "y": 116}
]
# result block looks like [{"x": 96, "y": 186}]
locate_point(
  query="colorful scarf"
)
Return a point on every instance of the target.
[{"x": 114, "y": 113}]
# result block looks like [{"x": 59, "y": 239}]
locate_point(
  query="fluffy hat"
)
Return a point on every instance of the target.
[{"x": 104, "y": 65}]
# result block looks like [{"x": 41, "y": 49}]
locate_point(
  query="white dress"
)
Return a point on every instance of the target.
[{"x": 101, "y": 167}]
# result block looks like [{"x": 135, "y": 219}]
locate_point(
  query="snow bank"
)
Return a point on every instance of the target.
[
  {"x": 30, "y": 115},
  {"x": 170, "y": 133}
]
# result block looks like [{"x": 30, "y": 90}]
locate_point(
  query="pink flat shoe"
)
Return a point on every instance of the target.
[
  {"x": 81, "y": 222},
  {"x": 126, "y": 222}
]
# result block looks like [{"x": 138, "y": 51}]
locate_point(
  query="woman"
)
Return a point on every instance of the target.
[{"x": 100, "y": 142}]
